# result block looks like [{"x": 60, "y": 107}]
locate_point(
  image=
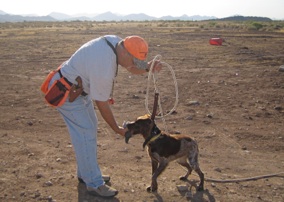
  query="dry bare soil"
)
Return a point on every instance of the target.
[{"x": 231, "y": 100}]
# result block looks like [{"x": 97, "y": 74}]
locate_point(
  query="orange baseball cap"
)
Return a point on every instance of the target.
[{"x": 137, "y": 47}]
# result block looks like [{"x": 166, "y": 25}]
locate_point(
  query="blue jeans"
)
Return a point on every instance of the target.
[{"x": 82, "y": 124}]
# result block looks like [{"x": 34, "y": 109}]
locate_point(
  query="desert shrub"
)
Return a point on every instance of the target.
[
  {"x": 163, "y": 25},
  {"x": 192, "y": 25},
  {"x": 218, "y": 26},
  {"x": 179, "y": 24},
  {"x": 212, "y": 24},
  {"x": 278, "y": 25},
  {"x": 257, "y": 25}
]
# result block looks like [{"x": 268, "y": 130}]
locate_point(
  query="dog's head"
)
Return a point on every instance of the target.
[{"x": 142, "y": 125}]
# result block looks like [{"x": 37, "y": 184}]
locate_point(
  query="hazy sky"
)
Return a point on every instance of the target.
[{"x": 157, "y": 8}]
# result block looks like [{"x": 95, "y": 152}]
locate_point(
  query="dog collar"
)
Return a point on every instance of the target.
[
  {"x": 155, "y": 134},
  {"x": 154, "y": 138}
]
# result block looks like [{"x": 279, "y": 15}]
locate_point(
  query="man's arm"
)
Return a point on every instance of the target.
[{"x": 107, "y": 115}]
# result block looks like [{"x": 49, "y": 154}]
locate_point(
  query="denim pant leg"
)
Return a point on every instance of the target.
[{"x": 81, "y": 121}]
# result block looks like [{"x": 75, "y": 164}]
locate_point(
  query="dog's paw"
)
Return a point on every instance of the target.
[
  {"x": 151, "y": 189},
  {"x": 182, "y": 178},
  {"x": 200, "y": 188}
]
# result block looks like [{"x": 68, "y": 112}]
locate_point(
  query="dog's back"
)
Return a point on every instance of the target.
[
  {"x": 179, "y": 137},
  {"x": 173, "y": 146}
]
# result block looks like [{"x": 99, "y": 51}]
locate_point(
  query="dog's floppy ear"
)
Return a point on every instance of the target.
[{"x": 146, "y": 116}]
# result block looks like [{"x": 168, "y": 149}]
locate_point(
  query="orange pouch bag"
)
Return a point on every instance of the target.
[
  {"x": 58, "y": 93},
  {"x": 44, "y": 85}
]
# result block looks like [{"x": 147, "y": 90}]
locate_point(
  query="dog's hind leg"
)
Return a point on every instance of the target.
[
  {"x": 183, "y": 162},
  {"x": 193, "y": 160},
  {"x": 201, "y": 176}
]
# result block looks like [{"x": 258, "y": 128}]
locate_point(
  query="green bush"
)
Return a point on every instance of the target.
[{"x": 257, "y": 25}]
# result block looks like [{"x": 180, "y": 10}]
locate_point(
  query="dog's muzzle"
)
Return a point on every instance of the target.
[{"x": 127, "y": 136}]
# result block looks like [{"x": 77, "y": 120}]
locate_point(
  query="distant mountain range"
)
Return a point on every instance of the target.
[{"x": 109, "y": 16}]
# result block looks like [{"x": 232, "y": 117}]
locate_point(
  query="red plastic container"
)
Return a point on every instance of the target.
[{"x": 216, "y": 41}]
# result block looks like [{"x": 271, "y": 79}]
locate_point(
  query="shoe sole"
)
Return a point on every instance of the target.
[{"x": 96, "y": 194}]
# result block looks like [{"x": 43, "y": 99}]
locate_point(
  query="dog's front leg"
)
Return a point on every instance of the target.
[
  {"x": 154, "y": 166},
  {"x": 162, "y": 165},
  {"x": 154, "y": 161},
  {"x": 154, "y": 169}
]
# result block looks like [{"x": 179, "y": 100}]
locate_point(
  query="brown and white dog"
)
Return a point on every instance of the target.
[{"x": 164, "y": 148}]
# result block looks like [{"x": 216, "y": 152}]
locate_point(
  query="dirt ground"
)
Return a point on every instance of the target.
[{"x": 231, "y": 100}]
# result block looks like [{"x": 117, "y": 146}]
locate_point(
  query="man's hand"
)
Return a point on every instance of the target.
[
  {"x": 107, "y": 115},
  {"x": 157, "y": 66},
  {"x": 121, "y": 131}
]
